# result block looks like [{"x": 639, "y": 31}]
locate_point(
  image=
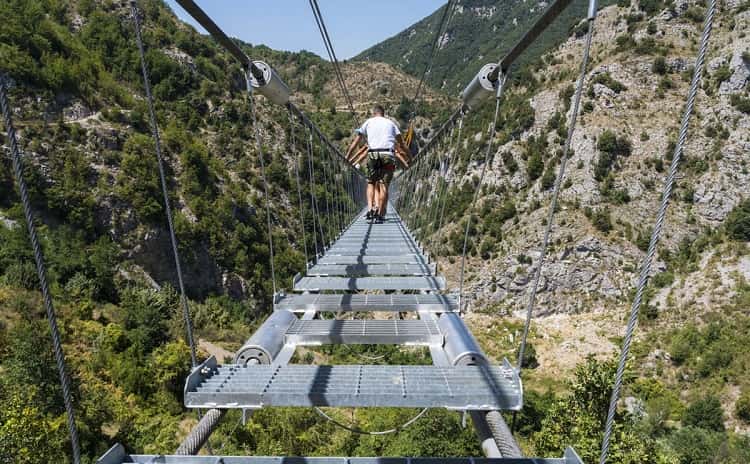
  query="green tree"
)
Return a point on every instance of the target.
[
  {"x": 738, "y": 222},
  {"x": 705, "y": 413},
  {"x": 138, "y": 180}
]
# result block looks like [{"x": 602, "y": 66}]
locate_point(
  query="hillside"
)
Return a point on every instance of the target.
[
  {"x": 81, "y": 117},
  {"x": 690, "y": 351},
  {"x": 478, "y": 32}
]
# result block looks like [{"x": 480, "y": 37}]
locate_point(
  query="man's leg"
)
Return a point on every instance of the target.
[
  {"x": 371, "y": 195},
  {"x": 382, "y": 198}
]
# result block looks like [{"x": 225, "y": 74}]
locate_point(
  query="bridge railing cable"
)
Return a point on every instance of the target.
[
  {"x": 41, "y": 270},
  {"x": 332, "y": 56},
  {"x": 656, "y": 233}
]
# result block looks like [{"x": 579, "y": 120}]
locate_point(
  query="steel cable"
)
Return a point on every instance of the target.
[
  {"x": 359, "y": 431},
  {"x": 41, "y": 272},
  {"x": 299, "y": 188},
  {"x": 261, "y": 156},
  {"x": 491, "y": 133},
  {"x": 163, "y": 182},
  {"x": 555, "y": 194},
  {"x": 165, "y": 192},
  {"x": 656, "y": 233},
  {"x": 332, "y": 56}
]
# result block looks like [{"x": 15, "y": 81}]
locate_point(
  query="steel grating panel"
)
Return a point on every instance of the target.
[
  {"x": 363, "y": 303},
  {"x": 392, "y": 251},
  {"x": 351, "y": 386},
  {"x": 118, "y": 455},
  {"x": 357, "y": 332},
  {"x": 389, "y": 269},
  {"x": 315, "y": 284},
  {"x": 373, "y": 259}
]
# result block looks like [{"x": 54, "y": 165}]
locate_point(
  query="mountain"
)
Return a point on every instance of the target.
[
  {"x": 79, "y": 107},
  {"x": 688, "y": 361},
  {"x": 478, "y": 32}
]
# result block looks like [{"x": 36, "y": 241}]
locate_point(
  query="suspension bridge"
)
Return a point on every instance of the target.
[{"x": 355, "y": 267}]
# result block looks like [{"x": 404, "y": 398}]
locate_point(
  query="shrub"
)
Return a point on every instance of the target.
[
  {"x": 611, "y": 147},
  {"x": 662, "y": 279},
  {"x": 138, "y": 180},
  {"x": 740, "y": 103},
  {"x": 705, "y": 413},
  {"x": 607, "y": 80},
  {"x": 601, "y": 220},
  {"x": 738, "y": 222},
  {"x": 548, "y": 179},
  {"x": 659, "y": 66},
  {"x": 650, "y": 6},
  {"x": 693, "y": 445},
  {"x": 742, "y": 406},
  {"x": 534, "y": 166}
]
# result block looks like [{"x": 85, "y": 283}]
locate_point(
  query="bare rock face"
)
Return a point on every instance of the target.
[
  {"x": 740, "y": 72},
  {"x": 234, "y": 286},
  {"x": 76, "y": 112},
  {"x": 154, "y": 254}
]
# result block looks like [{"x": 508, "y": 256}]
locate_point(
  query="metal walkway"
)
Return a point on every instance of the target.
[
  {"x": 118, "y": 455},
  {"x": 365, "y": 258}
]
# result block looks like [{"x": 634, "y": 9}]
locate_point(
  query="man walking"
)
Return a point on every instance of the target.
[{"x": 384, "y": 145}]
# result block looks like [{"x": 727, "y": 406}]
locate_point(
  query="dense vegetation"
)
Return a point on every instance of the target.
[
  {"x": 98, "y": 199},
  {"x": 479, "y": 32}
]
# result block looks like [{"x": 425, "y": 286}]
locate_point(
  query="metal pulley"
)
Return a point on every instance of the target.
[
  {"x": 268, "y": 83},
  {"x": 481, "y": 87},
  {"x": 267, "y": 341}
]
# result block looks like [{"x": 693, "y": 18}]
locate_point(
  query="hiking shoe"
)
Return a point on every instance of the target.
[
  {"x": 368, "y": 215},
  {"x": 379, "y": 219}
]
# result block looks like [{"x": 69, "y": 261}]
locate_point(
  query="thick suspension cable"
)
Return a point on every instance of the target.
[
  {"x": 555, "y": 194},
  {"x": 163, "y": 180},
  {"x": 656, "y": 233},
  {"x": 332, "y": 56},
  {"x": 491, "y": 134},
  {"x": 41, "y": 272}
]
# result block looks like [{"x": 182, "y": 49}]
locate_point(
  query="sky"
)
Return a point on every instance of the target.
[{"x": 354, "y": 25}]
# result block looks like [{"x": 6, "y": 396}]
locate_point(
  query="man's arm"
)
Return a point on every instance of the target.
[
  {"x": 360, "y": 155},
  {"x": 353, "y": 145},
  {"x": 402, "y": 151}
]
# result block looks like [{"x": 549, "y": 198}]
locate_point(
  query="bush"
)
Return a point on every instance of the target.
[
  {"x": 602, "y": 220},
  {"x": 611, "y": 147},
  {"x": 138, "y": 180},
  {"x": 738, "y": 222},
  {"x": 659, "y": 66},
  {"x": 705, "y": 413},
  {"x": 548, "y": 179},
  {"x": 607, "y": 80},
  {"x": 742, "y": 104},
  {"x": 534, "y": 166},
  {"x": 695, "y": 446},
  {"x": 742, "y": 406}
]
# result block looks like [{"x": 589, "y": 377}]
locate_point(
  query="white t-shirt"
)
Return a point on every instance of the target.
[{"x": 381, "y": 133}]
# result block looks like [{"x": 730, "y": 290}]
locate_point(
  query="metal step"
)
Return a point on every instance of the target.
[
  {"x": 118, "y": 455},
  {"x": 405, "y": 258},
  {"x": 361, "y": 270},
  {"x": 365, "y": 332},
  {"x": 364, "y": 303},
  {"x": 316, "y": 284},
  {"x": 372, "y": 252},
  {"x": 352, "y": 386}
]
